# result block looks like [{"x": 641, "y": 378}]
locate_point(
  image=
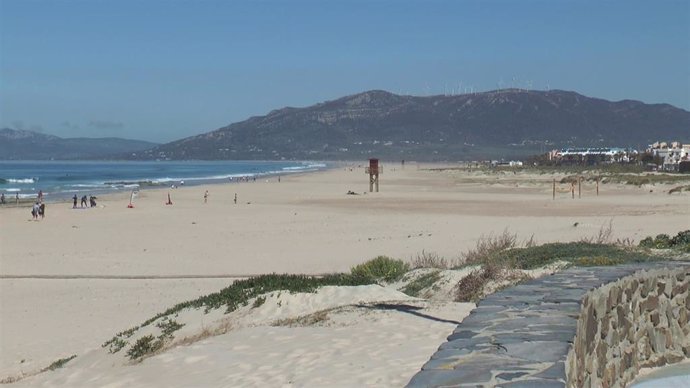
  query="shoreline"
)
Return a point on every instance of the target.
[{"x": 110, "y": 187}]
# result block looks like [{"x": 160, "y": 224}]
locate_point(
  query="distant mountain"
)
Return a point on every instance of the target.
[
  {"x": 490, "y": 124},
  {"x": 28, "y": 145}
]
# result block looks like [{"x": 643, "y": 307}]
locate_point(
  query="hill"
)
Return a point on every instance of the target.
[
  {"x": 28, "y": 145},
  {"x": 489, "y": 124}
]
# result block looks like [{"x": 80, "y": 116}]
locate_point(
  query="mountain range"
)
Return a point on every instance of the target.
[
  {"x": 29, "y": 145},
  {"x": 496, "y": 124},
  {"x": 501, "y": 123}
]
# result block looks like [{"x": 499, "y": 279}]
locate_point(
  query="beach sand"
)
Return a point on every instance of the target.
[{"x": 71, "y": 281}]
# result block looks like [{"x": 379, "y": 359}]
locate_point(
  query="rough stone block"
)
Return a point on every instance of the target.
[
  {"x": 654, "y": 318},
  {"x": 610, "y": 375},
  {"x": 601, "y": 352},
  {"x": 650, "y": 304},
  {"x": 673, "y": 357}
]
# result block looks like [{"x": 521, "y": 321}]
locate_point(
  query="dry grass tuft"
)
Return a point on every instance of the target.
[
  {"x": 602, "y": 237},
  {"x": 488, "y": 246},
  {"x": 429, "y": 260}
]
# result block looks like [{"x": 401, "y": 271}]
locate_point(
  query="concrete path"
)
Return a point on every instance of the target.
[{"x": 520, "y": 337}]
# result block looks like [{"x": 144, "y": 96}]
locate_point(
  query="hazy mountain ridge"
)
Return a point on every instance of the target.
[
  {"x": 379, "y": 123},
  {"x": 28, "y": 145}
]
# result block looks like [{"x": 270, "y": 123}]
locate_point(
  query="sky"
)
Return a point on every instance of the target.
[{"x": 163, "y": 70}]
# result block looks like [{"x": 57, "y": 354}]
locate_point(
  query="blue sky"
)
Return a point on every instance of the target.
[{"x": 162, "y": 70}]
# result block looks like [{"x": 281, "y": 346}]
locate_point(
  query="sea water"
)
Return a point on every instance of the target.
[{"x": 63, "y": 179}]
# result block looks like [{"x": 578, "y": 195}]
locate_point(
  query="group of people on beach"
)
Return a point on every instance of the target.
[
  {"x": 38, "y": 210},
  {"x": 91, "y": 201}
]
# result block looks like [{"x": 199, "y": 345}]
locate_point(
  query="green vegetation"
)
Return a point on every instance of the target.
[
  {"x": 501, "y": 259},
  {"x": 168, "y": 327},
  {"x": 118, "y": 342},
  {"x": 680, "y": 241},
  {"x": 240, "y": 292},
  {"x": 425, "y": 281},
  {"x": 647, "y": 179},
  {"x": 259, "y": 301},
  {"x": 60, "y": 363},
  {"x": 144, "y": 346},
  {"x": 539, "y": 256},
  {"x": 380, "y": 268}
]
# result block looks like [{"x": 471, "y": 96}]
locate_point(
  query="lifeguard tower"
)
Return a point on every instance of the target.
[{"x": 374, "y": 170}]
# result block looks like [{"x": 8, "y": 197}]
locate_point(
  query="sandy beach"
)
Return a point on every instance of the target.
[{"x": 74, "y": 279}]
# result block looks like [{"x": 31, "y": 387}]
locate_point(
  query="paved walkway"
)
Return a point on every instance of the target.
[{"x": 520, "y": 337}]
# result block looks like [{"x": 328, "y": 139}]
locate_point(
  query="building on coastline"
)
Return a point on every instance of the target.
[
  {"x": 503, "y": 163},
  {"x": 671, "y": 155},
  {"x": 592, "y": 155}
]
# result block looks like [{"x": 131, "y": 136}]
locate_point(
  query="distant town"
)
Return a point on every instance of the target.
[{"x": 671, "y": 157}]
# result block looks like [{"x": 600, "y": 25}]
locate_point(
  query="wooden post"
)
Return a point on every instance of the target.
[
  {"x": 554, "y": 188},
  {"x": 572, "y": 189},
  {"x": 579, "y": 187},
  {"x": 597, "y": 186}
]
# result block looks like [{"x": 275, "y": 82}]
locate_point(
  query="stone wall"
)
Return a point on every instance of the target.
[{"x": 638, "y": 321}]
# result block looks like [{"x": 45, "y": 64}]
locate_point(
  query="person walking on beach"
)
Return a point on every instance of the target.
[
  {"x": 40, "y": 195},
  {"x": 16, "y": 199},
  {"x": 74, "y": 201},
  {"x": 42, "y": 210},
  {"x": 83, "y": 202},
  {"x": 34, "y": 211},
  {"x": 2, "y": 199},
  {"x": 235, "y": 198},
  {"x": 206, "y": 196}
]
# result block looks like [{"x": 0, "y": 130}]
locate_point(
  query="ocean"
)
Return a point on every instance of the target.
[{"x": 63, "y": 179}]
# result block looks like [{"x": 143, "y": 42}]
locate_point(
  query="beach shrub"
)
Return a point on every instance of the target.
[
  {"x": 168, "y": 327},
  {"x": 380, "y": 268},
  {"x": 680, "y": 241},
  {"x": 60, "y": 363},
  {"x": 116, "y": 343},
  {"x": 425, "y": 281},
  {"x": 144, "y": 346},
  {"x": 682, "y": 238},
  {"x": 471, "y": 287}
]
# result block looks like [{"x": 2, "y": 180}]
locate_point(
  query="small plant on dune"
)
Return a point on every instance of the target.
[
  {"x": 414, "y": 287},
  {"x": 429, "y": 260},
  {"x": 60, "y": 363},
  {"x": 380, "y": 268},
  {"x": 471, "y": 287},
  {"x": 259, "y": 301},
  {"x": 489, "y": 246},
  {"x": 168, "y": 327},
  {"x": 144, "y": 346},
  {"x": 118, "y": 342},
  {"x": 602, "y": 237}
]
